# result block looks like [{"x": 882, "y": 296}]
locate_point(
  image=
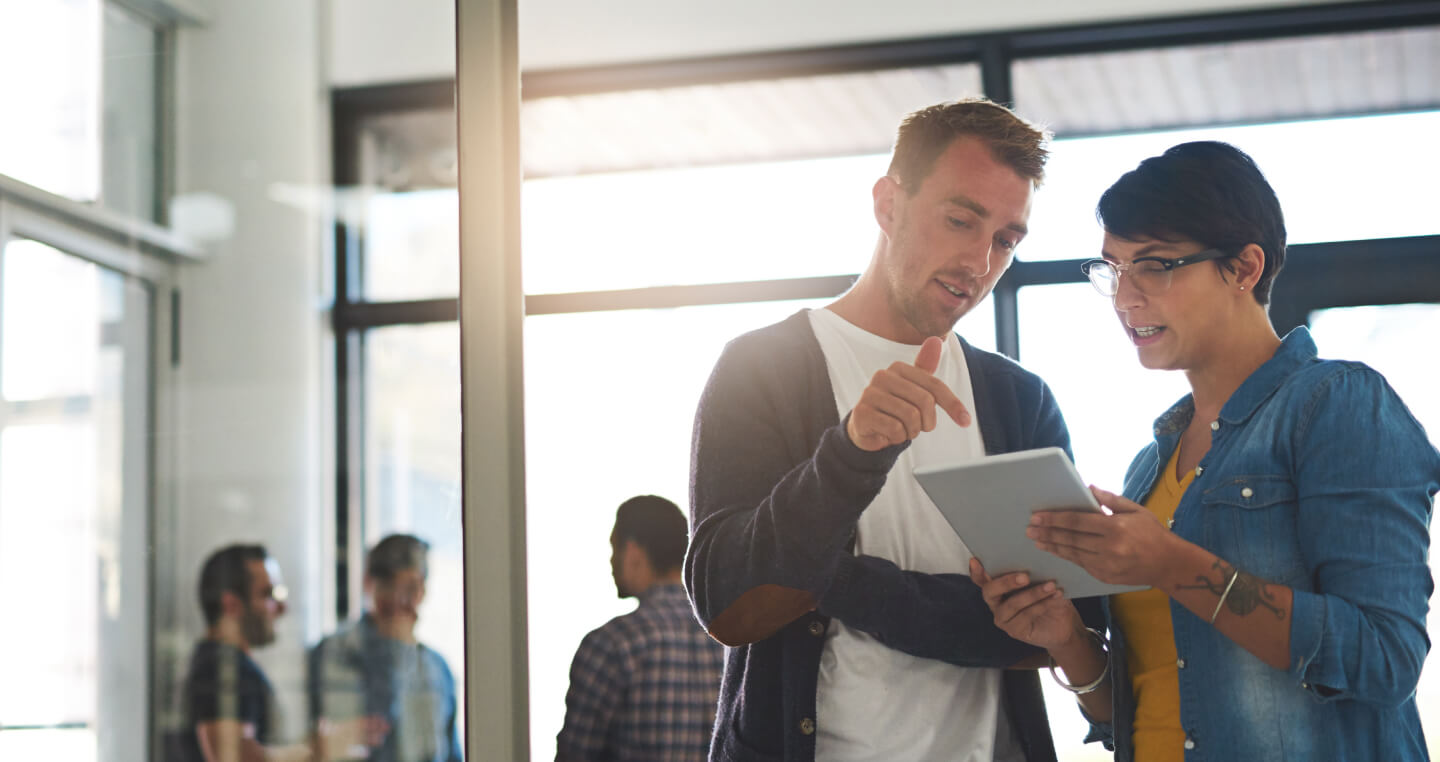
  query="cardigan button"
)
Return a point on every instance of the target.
[
  {"x": 807, "y": 726},
  {"x": 817, "y": 629}
]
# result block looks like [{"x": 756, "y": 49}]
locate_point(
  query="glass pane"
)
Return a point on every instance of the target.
[
  {"x": 1234, "y": 82},
  {"x": 609, "y": 403},
  {"x": 73, "y": 522},
  {"x": 54, "y": 143},
  {"x": 130, "y": 147},
  {"x": 406, "y": 205},
  {"x": 1395, "y": 168},
  {"x": 412, "y": 245},
  {"x": 51, "y": 342},
  {"x": 1397, "y": 340},
  {"x": 412, "y": 466},
  {"x": 711, "y": 225}
]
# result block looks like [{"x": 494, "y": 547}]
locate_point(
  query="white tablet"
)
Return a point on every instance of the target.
[{"x": 989, "y": 501}]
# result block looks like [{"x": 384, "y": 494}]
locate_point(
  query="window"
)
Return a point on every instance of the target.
[{"x": 73, "y": 503}]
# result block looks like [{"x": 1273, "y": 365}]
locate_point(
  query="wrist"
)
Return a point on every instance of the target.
[{"x": 1184, "y": 560}]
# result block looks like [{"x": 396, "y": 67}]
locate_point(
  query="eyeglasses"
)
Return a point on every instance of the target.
[{"x": 1149, "y": 275}]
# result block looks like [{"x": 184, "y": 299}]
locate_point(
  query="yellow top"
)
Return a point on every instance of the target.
[{"x": 1150, "y": 644}]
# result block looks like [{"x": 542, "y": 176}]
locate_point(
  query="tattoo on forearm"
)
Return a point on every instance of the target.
[{"x": 1246, "y": 595}]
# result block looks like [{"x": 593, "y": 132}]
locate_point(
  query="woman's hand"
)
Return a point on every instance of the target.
[
  {"x": 1128, "y": 547},
  {"x": 1036, "y": 614}
]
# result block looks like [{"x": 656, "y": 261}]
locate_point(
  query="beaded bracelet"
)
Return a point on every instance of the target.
[{"x": 1081, "y": 690}]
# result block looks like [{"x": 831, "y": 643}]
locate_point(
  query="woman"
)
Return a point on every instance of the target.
[{"x": 1280, "y": 515}]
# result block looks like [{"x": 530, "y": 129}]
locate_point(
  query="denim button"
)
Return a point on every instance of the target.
[
  {"x": 1170, "y": 523},
  {"x": 807, "y": 726},
  {"x": 1180, "y": 663},
  {"x": 1214, "y": 425},
  {"x": 1199, "y": 470},
  {"x": 1189, "y": 744},
  {"x": 1247, "y": 492}
]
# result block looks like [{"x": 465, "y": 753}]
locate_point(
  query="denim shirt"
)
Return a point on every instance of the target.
[{"x": 1318, "y": 478}]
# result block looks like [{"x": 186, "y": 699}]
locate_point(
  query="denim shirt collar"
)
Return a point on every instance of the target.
[{"x": 1296, "y": 350}]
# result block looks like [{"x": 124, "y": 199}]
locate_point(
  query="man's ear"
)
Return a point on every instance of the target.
[
  {"x": 231, "y": 604},
  {"x": 883, "y": 194},
  {"x": 635, "y": 560}
]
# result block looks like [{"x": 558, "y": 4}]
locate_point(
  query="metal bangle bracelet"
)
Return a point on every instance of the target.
[
  {"x": 1221, "y": 602},
  {"x": 1080, "y": 690}
]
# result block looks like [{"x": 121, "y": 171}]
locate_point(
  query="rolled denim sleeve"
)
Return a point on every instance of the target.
[{"x": 1366, "y": 476}]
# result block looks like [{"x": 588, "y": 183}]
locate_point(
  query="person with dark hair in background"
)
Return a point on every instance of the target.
[
  {"x": 376, "y": 671},
  {"x": 643, "y": 686},
  {"x": 856, "y": 632},
  {"x": 1280, "y": 516},
  {"x": 229, "y": 703}
]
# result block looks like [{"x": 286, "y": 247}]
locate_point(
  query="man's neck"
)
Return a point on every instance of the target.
[{"x": 228, "y": 631}]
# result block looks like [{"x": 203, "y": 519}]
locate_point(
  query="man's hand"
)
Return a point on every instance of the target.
[
  {"x": 900, "y": 402},
  {"x": 1036, "y": 614},
  {"x": 348, "y": 739},
  {"x": 1128, "y": 547}
]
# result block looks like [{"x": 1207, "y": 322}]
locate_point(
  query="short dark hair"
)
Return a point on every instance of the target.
[
  {"x": 1206, "y": 191},
  {"x": 395, "y": 554},
  {"x": 225, "y": 572},
  {"x": 657, "y": 526},
  {"x": 928, "y": 132}
]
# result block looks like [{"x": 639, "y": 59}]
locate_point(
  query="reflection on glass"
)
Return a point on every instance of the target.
[
  {"x": 69, "y": 556},
  {"x": 1399, "y": 341},
  {"x": 412, "y": 465},
  {"x": 1063, "y": 226}
]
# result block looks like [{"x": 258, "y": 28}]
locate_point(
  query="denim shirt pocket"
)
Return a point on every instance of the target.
[{"x": 1250, "y": 522}]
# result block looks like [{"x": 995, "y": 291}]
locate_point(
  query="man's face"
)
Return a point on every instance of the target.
[
  {"x": 399, "y": 598},
  {"x": 265, "y": 603},
  {"x": 950, "y": 242}
]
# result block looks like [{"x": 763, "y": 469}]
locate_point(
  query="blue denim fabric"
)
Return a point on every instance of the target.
[{"x": 1320, "y": 479}]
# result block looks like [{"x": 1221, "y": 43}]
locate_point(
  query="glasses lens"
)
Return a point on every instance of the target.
[
  {"x": 1150, "y": 277},
  {"x": 1102, "y": 277}
]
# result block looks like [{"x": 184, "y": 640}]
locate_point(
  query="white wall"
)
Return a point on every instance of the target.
[
  {"x": 417, "y": 36},
  {"x": 251, "y": 121}
]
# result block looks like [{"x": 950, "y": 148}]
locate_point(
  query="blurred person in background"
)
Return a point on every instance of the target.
[{"x": 375, "y": 670}]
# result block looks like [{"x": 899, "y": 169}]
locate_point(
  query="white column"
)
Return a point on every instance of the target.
[{"x": 491, "y": 313}]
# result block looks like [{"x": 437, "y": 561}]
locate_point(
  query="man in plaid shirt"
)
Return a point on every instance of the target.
[{"x": 644, "y": 686}]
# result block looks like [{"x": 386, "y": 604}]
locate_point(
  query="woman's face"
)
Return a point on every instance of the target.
[{"x": 1176, "y": 326}]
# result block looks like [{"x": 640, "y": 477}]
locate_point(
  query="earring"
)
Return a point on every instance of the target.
[{"x": 1242, "y": 288}]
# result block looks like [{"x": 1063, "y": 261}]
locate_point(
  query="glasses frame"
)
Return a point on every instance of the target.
[{"x": 1168, "y": 263}]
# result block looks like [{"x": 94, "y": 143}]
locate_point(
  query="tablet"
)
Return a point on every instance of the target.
[{"x": 988, "y": 502}]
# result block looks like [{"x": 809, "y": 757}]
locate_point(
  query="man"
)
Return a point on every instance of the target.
[
  {"x": 816, "y": 556},
  {"x": 643, "y": 687},
  {"x": 375, "y": 670},
  {"x": 229, "y": 703}
]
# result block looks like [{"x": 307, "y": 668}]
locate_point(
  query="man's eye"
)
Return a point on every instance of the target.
[
  {"x": 959, "y": 223},
  {"x": 1007, "y": 244}
]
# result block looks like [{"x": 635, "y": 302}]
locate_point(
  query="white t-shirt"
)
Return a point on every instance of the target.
[{"x": 874, "y": 703}]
